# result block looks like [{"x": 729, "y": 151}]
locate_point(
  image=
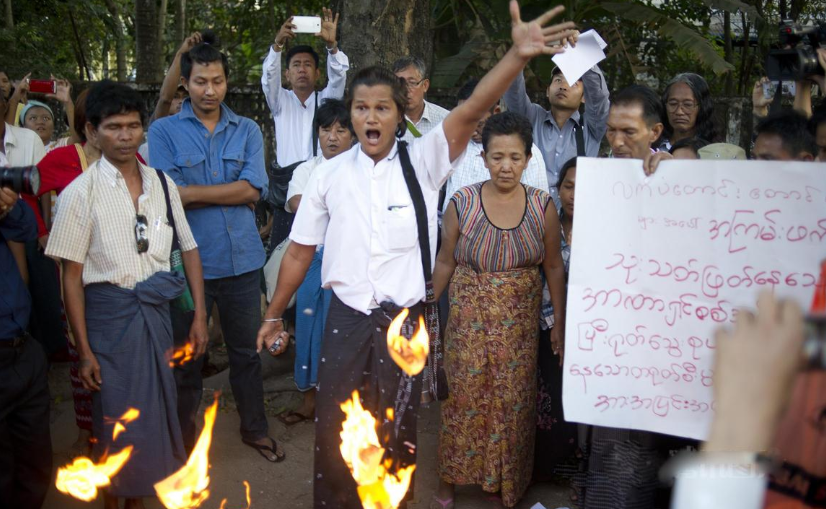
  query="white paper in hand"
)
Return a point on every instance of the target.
[{"x": 576, "y": 61}]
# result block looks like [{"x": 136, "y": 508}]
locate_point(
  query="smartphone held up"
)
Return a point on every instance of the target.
[
  {"x": 306, "y": 24},
  {"x": 43, "y": 86}
]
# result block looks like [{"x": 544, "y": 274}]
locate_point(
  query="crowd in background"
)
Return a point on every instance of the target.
[{"x": 145, "y": 229}]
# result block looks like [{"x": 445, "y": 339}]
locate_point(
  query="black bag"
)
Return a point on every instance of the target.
[
  {"x": 437, "y": 379},
  {"x": 280, "y": 176}
]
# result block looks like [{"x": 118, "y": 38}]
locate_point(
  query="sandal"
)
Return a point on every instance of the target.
[
  {"x": 292, "y": 417},
  {"x": 443, "y": 504},
  {"x": 273, "y": 449}
]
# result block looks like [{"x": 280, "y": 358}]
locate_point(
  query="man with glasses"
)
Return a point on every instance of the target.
[
  {"x": 421, "y": 115},
  {"x": 113, "y": 234},
  {"x": 562, "y": 132}
]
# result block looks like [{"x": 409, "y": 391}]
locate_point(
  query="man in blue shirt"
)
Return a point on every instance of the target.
[
  {"x": 217, "y": 160},
  {"x": 25, "y": 439}
]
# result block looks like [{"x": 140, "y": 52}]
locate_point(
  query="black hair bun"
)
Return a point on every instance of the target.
[{"x": 211, "y": 38}]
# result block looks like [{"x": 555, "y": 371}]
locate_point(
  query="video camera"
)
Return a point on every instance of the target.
[{"x": 798, "y": 58}]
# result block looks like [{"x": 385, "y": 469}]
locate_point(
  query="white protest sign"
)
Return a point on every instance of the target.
[{"x": 659, "y": 263}]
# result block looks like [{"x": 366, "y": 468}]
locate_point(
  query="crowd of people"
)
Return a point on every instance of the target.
[{"x": 137, "y": 237}]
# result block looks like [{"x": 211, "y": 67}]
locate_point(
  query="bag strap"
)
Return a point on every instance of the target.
[
  {"x": 315, "y": 131},
  {"x": 580, "y": 139},
  {"x": 415, "y": 190},
  {"x": 82, "y": 156},
  {"x": 170, "y": 217}
]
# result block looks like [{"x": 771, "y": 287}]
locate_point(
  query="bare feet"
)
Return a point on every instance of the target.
[{"x": 268, "y": 448}]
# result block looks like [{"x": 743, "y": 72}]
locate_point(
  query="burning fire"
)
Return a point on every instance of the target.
[
  {"x": 82, "y": 478},
  {"x": 129, "y": 416},
  {"x": 377, "y": 487},
  {"x": 409, "y": 355},
  {"x": 187, "y": 488},
  {"x": 249, "y": 503},
  {"x": 180, "y": 356}
]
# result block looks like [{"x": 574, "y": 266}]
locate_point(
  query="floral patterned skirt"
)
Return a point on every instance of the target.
[{"x": 489, "y": 420}]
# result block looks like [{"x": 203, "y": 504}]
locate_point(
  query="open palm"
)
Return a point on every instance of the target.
[
  {"x": 329, "y": 26},
  {"x": 531, "y": 39}
]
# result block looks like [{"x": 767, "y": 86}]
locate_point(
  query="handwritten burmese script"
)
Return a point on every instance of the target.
[{"x": 659, "y": 263}]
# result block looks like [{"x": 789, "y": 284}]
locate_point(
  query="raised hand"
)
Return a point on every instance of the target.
[
  {"x": 285, "y": 33},
  {"x": 329, "y": 27},
  {"x": 531, "y": 39},
  {"x": 190, "y": 42},
  {"x": 63, "y": 91},
  {"x": 758, "y": 98}
]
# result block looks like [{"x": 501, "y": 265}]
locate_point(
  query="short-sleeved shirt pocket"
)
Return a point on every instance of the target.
[
  {"x": 233, "y": 163},
  {"x": 192, "y": 167}
]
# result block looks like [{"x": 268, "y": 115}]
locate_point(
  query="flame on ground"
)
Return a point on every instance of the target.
[
  {"x": 249, "y": 503},
  {"x": 409, "y": 355},
  {"x": 180, "y": 356},
  {"x": 378, "y": 488},
  {"x": 188, "y": 487},
  {"x": 82, "y": 478}
]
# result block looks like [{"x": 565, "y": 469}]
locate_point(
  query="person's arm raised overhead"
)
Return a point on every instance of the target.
[
  {"x": 597, "y": 103},
  {"x": 173, "y": 77},
  {"x": 530, "y": 39},
  {"x": 271, "y": 75},
  {"x": 337, "y": 62}
]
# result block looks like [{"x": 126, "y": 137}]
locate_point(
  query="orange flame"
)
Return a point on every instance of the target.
[
  {"x": 249, "y": 503},
  {"x": 180, "y": 356},
  {"x": 410, "y": 355},
  {"x": 377, "y": 487},
  {"x": 187, "y": 488},
  {"x": 129, "y": 416},
  {"x": 82, "y": 478}
]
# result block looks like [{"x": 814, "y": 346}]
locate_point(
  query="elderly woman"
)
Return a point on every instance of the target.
[
  {"x": 687, "y": 102},
  {"x": 496, "y": 236}
]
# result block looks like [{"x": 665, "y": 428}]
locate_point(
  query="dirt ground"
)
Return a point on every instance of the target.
[{"x": 273, "y": 486}]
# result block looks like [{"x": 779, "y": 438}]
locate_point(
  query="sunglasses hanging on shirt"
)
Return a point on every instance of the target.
[{"x": 141, "y": 227}]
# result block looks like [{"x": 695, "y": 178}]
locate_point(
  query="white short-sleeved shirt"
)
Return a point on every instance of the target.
[
  {"x": 95, "y": 225},
  {"x": 363, "y": 214},
  {"x": 301, "y": 176}
]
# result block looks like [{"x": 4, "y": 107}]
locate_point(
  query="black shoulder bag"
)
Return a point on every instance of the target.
[
  {"x": 437, "y": 379},
  {"x": 280, "y": 176},
  {"x": 580, "y": 139}
]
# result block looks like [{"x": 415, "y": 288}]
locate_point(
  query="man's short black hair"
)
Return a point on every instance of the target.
[
  {"x": 508, "y": 122},
  {"x": 302, "y": 48},
  {"x": 647, "y": 99},
  {"x": 570, "y": 163},
  {"x": 695, "y": 144},
  {"x": 205, "y": 53},
  {"x": 792, "y": 129},
  {"x": 467, "y": 89},
  {"x": 107, "y": 98},
  {"x": 330, "y": 112}
]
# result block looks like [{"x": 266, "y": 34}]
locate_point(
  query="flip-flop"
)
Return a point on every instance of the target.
[
  {"x": 443, "y": 504},
  {"x": 298, "y": 417},
  {"x": 273, "y": 449}
]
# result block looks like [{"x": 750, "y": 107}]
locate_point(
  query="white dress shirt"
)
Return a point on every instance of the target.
[
  {"x": 301, "y": 176},
  {"x": 294, "y": 120},
  {"x": 432, "y": 116},
  {"x": 363, "y": 214},
  {"x": 472, "y": 171},
  {"x": 23, "y": 146}
]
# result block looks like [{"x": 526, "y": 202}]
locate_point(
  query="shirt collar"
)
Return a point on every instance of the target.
[
  {"x": 368, "y": 162},
  {"x": 112, "y": 174},
  {"x": 227, "y": 115},
  {"x": 549, "y": 117}
]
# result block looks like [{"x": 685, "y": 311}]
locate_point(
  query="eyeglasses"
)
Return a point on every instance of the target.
[
  {"x": 141, "y": 227},
  {"x": 413, "y": 84},
  {"x": 674, "y": 105}
]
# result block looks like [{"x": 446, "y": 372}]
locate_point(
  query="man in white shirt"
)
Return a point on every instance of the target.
[
  {"x": 293, "y": 110},
  {"x": 472, "y": 170},
  {"x": 421, "y": 116}
]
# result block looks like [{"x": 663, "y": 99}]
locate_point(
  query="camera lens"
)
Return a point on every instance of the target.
[{"x": 24, "y": 179}]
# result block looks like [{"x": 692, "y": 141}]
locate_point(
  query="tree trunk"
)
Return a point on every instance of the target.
[
  {"x": 9, "y": 16},
  {"x": 378, "y": 32},
  {"x": 120, "y": 42},
  {"x": 147, "y": 45},
  {"x": 728, "y": 52},
  {"x": 180, "y": 21}
]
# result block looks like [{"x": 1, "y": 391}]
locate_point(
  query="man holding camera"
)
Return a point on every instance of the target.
[{"x": 25, "y": 443}]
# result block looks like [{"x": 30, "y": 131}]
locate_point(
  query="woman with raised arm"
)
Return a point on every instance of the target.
[{"x": 360, "y": 207}]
